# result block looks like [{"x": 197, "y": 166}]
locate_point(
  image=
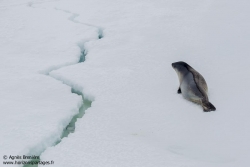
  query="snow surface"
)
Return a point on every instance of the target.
[
  {"x": 35, "y": 108},
  {"x": 136, "y": 119}
]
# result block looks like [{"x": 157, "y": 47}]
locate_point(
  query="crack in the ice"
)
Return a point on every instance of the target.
[
  {"x": 81, "y": 59},
  {"x": 85, "y": 102},
  {"x": 74, "y": 15}
]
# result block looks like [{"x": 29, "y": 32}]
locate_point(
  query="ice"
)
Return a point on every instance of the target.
[
  {"x": 136, "y": 117},
  {"x": 36, "y": 108}
]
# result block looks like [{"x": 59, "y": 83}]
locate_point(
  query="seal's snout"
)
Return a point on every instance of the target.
[{"x": 173, "y": 65}]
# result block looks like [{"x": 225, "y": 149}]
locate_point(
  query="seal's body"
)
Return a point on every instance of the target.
[{"x": 192, "y": 85}]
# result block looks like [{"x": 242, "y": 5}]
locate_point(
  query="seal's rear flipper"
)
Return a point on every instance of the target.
[{"x": 207, "y": 106}]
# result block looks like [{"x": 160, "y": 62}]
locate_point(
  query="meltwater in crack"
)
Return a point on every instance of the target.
[{"x": 71, "y": 126}]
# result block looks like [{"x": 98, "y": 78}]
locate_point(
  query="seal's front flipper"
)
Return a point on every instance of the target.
[
  {"x": 179, "y": 90},
  {"x": 207, "y": 106}
]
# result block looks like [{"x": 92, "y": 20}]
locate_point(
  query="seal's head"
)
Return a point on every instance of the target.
[
  {"x": 181, "y": 68},
  {"x": 179, "y": 65}
]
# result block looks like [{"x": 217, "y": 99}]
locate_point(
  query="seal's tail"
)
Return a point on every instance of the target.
[{"x": 207, "y": 106}]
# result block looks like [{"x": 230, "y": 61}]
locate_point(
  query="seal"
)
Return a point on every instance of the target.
[{"x": 193, "y": 86}]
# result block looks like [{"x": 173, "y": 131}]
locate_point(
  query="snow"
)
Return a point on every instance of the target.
[
  {"x": 35, "y": 108},
  {"x": 136, "y": 117}
]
